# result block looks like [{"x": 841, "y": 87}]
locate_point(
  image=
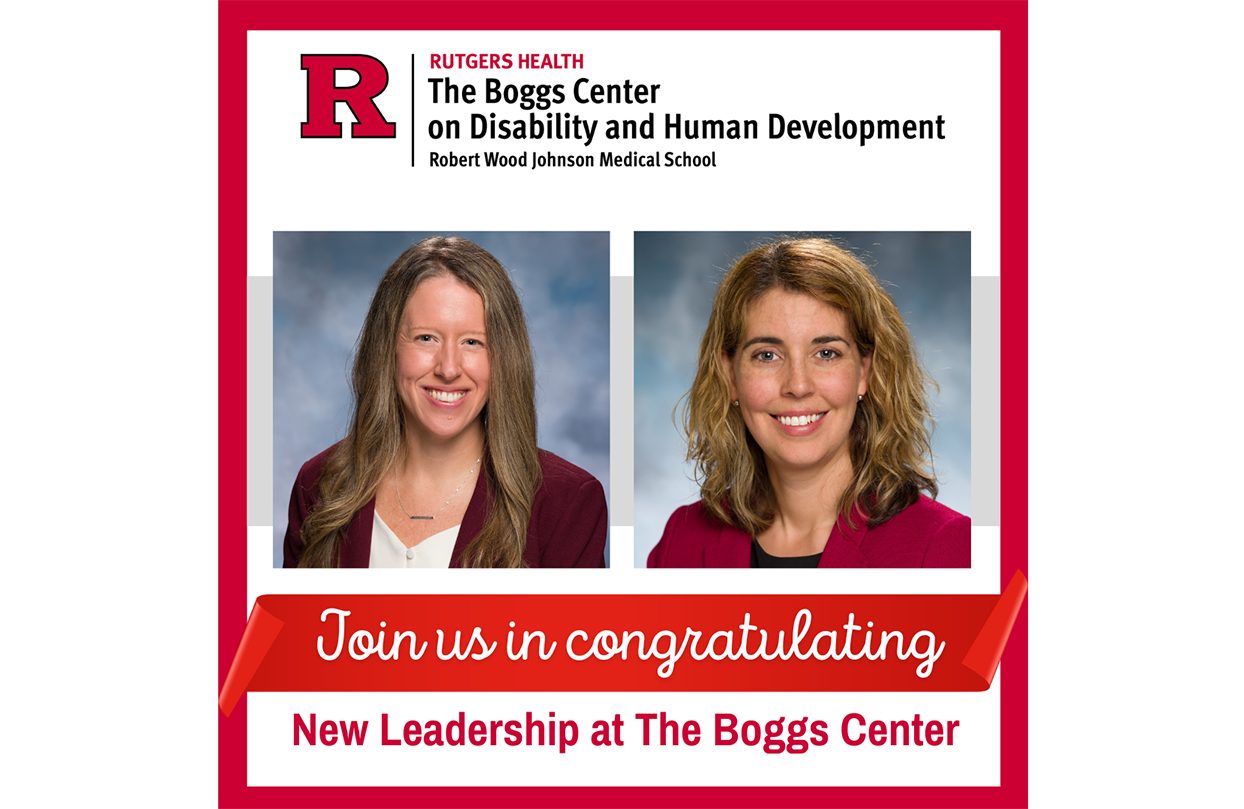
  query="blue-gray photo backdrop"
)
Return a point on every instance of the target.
[
  {"x": 676, "y": 274},
  {"x": 323, "y": 284}
]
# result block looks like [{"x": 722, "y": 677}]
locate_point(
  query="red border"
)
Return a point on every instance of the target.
[{"x": 1009, "y": 17}]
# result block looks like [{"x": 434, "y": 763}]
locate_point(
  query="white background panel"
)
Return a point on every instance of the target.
[{"x": 274, "y": 759}]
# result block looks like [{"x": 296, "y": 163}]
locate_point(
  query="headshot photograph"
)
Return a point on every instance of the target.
[
  {"x": 440, "y": 400},
  {"x": 803, "y": 400}
]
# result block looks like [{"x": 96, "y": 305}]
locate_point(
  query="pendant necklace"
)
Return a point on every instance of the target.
[{"x": 398, "y": 489}]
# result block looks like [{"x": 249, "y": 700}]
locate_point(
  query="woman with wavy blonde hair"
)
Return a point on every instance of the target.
[
  {"x": 808, "y": 423},
  {"x": 440, "y": 466}
]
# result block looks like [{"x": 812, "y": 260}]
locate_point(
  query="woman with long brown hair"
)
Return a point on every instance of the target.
[
  {"x": 440, "y": 466},
  {"x": 808, "y": 422}
]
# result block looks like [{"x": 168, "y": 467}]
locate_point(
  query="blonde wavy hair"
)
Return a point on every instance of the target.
[
  {"x": 890, "y": 437},
  {"x": 354, "y": 468}
]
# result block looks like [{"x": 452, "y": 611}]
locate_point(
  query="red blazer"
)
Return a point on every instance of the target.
[
  {"x": 925, "y": 534},
  {"x": 567, "y": 529}
]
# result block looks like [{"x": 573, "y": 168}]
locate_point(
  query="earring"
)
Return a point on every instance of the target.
[
  {"x": 735, "y": 403},
  {"x": 861, "y": 398}
]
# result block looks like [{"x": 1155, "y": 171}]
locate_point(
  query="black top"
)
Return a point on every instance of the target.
[{"x": 762, "y": 559}]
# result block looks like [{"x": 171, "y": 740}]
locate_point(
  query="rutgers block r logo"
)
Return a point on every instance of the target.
[{"x": 323, "y": 93}]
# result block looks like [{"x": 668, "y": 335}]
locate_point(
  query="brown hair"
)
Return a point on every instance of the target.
[
  {"x": 890, "y": 437},
  {"x": 353, "y": 470}
]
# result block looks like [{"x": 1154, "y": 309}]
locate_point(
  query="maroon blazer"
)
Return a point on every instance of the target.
[
  {"x": 925, "y": 534},
  {"x": 567, "y": 529}
]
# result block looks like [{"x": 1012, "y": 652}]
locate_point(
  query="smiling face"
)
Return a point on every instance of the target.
[
  {"x": 442, "y": 360},
  {"x": 797, "y": 376}
]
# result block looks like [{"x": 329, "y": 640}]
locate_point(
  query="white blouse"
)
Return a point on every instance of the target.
[{"x": 388, "y": 551}]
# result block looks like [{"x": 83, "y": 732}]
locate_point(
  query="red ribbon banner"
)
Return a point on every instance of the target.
[{"x": 623, "y": 643}]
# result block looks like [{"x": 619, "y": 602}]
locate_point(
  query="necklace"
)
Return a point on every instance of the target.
[{"x": 398, "y": 489}]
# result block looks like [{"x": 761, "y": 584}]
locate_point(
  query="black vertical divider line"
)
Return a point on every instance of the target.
[{"x": 412, "y": 110}]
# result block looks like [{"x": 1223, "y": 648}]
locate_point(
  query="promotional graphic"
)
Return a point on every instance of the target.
[{"x": 667, "y": 348}]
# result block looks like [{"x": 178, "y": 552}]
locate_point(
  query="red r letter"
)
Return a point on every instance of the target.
[{"x": 323, "y": 94}]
